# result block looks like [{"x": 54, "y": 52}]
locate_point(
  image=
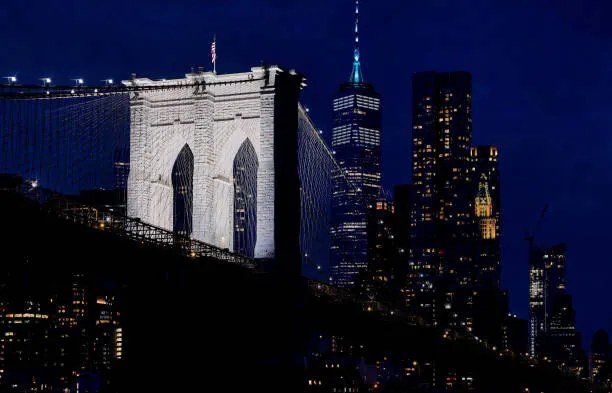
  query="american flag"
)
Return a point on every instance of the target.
[{"x": 213, "y": 51}]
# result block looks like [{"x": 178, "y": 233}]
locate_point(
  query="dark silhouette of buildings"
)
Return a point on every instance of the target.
[
  {"x": 173, "y": 308},
  {"x": 403, "y": 213},
  {"x": 402, "y": 201},
  {"x": 57, "y": 335},
  {"x": 454, "y": 275},
  {"x": 381, "y": 285},
  {"x": 601, "y": 361},
  {"x": 515, "y": 335}
]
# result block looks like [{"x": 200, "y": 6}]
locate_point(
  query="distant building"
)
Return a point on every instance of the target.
[
  {"x": 487, "y": 208},
  {"x": 546, "y": 281},
  {"x": 552, "y": 320},
  {"x": 25, "y": 353},
  {"x": 68, "y": 340},
  {"x": 402, "y": 201},
  {"x": 381, "y": 240},
  {"x": 403, "y": 212},
  {"x": 121, "y": 167},
  {"x": 601, "y": 355},
  {"x": 442, "y": 217},
  {"x": 384, "y": 279},
  {"x": 356, "y": 136},
  {"x": 515, "y": 334},
  {"x": 562, "y": 342}
]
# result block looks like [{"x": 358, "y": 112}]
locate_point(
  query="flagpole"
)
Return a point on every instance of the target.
[{"x": 215, "y": 54}]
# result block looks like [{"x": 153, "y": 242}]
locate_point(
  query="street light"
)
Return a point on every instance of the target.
[
  {"x": 108, "y": 82},
  {"x": 78, "y": 82},
  {"x": 11, "y": 79},
  {"x": 46, "y": 81}
]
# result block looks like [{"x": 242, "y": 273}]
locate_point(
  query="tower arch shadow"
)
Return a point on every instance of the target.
[
  {"x": 245, "y": 168},
  {"x": 182, "y": 186}
]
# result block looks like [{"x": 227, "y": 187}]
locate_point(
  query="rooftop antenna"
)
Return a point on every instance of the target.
[{"x": 356, "y": 76}]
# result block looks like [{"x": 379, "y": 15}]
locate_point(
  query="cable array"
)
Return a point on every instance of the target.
[
  {"x": 65, "y": 144},
  {"x": 320, "y": 175},
  {"x": 69, "y": 144}
]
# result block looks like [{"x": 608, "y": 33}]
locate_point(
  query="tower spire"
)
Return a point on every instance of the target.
[{"x": 356, "y": 76}]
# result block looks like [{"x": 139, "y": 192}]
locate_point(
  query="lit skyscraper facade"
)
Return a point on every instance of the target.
[
  {"x": 356, "y": 142},
  {"x": 442, "y": 217}
]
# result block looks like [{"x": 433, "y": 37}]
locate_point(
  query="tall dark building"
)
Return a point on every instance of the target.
[
  {"x": 121, "y": 165},
  {"x": 384, "y": 279},
  {"x": 356, "y": 143},
  {"x": 515, "y": 333},
  {"x": 487, "y": 208},
  {"x": 381, "y": 238},
  {"x": 601, "y": 355},
  {"x": 403, "y": 210},
  {"x": 442, "y": 217},
  {"x": 562, "y": 340},
  {"x": 546, "y": 282},
  {"x": 552, "y": 324}
]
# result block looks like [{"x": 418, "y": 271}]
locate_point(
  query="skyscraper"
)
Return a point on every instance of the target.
[
  {"x": 485, "y": 178},
  {"x": 381, "y": 239},
  {"x": 356, "y": 142},
  {"x": 442, "y": 217},
  {"x": 403, "y": 212},
  {"x": 546, "y": 281},
  {"x": 552, "y": 327},
  {"x": 384, "y": 280}
]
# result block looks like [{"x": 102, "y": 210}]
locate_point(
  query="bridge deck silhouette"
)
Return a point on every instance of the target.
[
  {"x": 219, "y": 324},
  {"x": 137, "y": 230}
]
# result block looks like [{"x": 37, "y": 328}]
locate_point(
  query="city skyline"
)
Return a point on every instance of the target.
[{"x": 535, "y": 155}]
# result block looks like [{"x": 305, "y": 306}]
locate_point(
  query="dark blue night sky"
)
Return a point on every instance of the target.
[{"x": 542, "y": 74}]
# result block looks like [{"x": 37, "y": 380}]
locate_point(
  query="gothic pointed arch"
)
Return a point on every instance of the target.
[
  {"x": 182, "y": 186},
  {"x": 245, "y": 168}
]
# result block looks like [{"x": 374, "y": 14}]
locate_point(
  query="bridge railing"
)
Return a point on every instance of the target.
[{"x": 135, "y": 229}]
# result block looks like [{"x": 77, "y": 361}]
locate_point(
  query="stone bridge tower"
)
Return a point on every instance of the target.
[{"x": 215, "y": 157}]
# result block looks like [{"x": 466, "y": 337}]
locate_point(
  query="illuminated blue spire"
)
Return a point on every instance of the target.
[{"x": 356, "y": 76}]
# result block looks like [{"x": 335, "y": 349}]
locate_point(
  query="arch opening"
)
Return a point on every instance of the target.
[
  {"x": 182, "y": 185},
  {"x": 245, "y": 169}
]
